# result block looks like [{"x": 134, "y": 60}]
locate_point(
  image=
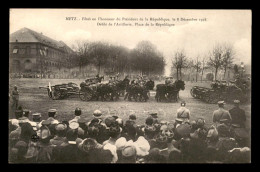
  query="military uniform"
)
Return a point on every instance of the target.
[
  {"x": 221, "y": 114},
  {"x": 238, "y": 116},
  {"x": 15, "y": 96},
  {"x": 183, "y": 113}
]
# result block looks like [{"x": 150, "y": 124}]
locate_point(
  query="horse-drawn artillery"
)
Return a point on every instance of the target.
[
  {"x": 219, "y": 91},
  {"x": 61, "y": 91}
]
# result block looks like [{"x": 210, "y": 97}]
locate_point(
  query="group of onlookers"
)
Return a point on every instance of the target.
[{"x": 110, "y": 139}]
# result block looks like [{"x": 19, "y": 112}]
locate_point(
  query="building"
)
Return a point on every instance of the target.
[{"x": 33, "y": 52}]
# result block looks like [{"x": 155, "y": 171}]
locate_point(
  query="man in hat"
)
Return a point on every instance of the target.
[
  {"x": 183, "y": 113},
  {"x": 15, "y": 97},
  {"x": 59, "y": 137},
  {"x": 237, "y": 114},
  {"x": 77, "y": 114},
  {"x": 221, "y": 114},
  {"x": 52, "y": 116}
]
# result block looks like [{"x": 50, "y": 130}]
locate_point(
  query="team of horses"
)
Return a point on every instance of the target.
[{"x": 137, "y": 92}]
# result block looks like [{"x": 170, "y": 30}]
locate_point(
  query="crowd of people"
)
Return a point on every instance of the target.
[{"x": 110, "y": 139}]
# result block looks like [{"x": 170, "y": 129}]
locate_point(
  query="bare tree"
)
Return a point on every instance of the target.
[
  {"x": 216, "y": 58},
  {"x": 203, "y": 66},
  {"x": 179, "y": 62},
  {"x": 197, "y": 66},
  {"x": 228, "y": 58}
]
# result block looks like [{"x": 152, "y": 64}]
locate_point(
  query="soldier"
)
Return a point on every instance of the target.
[
  {"x": 15, "y": 96},
  {"x": 237, "y": 114},
  {"x": 183, "y": 114},
  {"x": 221, "y": 114}
]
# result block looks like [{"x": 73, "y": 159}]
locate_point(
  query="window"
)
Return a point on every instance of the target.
[
  {"x": 15, "y": 50},
  {"x": 28, "y": 50}
]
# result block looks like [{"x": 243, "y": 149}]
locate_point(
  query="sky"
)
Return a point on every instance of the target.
[{"x": 196, "y": 38}]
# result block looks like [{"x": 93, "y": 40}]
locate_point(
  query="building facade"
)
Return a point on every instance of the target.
[{"x": 33, "y": 52}]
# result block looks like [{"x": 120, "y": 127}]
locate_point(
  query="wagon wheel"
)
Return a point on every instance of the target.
[
  {"x": 85, "y": 95},
  {"x": 56, "y": 94},
  {"x": 191, "y": 92}
]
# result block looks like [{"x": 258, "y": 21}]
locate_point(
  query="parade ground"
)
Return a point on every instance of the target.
[{"x": 37, "y": 100}]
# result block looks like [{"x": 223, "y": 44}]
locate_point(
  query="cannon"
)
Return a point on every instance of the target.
[
  {"x": 214, "y": 94},
  {"x": 61, "y": 91}
]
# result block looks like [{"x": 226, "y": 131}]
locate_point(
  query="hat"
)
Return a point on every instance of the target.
[
  {"x": 52, "y": 110},
  {"x": 142, "y": 146},
  {"x": 200, "y": 122},
  {"x": 89, "y": 144},
  {"x": 132, "y": 117},
  {"x": 183, "y": 130},
  {"x": 120, "y": 143},
  {"x": 109, "y": 121},
  {"x": 36, "y": 115},
  {"x": 129, "y": 151},
  {"x": 183, "y": 103},
  {"x": 236, "y": 101},
  {"x": 77, "y": 112},
  {"x": 154, "y": 115},
  {"x": 60, "y": 127},
  {"x": 97, "y": 113},
  {"x": 164, "y": 127},
  {"x": 74, "y": 125},
  {"x": 149, "y": 121},
  {"x": 221, "y": 102},
  {"x": 82, "y": 120}
]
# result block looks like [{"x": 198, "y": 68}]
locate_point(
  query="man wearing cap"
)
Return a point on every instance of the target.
[
  {"x": 237, "y": 114},
  {"x": 52, "y": 116},
  {"x": 15, "y": 97},
  {"x": 59, "y": 138},
  {"x": 183, "y": 114},
  {"x": 221, "y": 114}
]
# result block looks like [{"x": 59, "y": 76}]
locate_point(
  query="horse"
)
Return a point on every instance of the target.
[{"x": 169, "y": 92}]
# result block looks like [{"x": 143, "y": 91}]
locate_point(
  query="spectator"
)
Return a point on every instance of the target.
[
  {"x": 44, "y": 147},
  {"x": 52, "y": 116},
  {"x": 77, "y": 114},
  {"x": 183, "y": 113},
  {"x": 237, "y": 114},
  {"x": 221, "y": 113},
  {"x": 155, "y": 156},
  {"x": 68, "y": 152},
  {"x": 128, "y": 153},
  {"x": 225, "y": 142},
  {"x": 59, "y": 138}
]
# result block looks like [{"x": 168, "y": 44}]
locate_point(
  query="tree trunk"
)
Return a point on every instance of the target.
[
  {"x": 180, "y": 74},
  {"x": 216, "y": 72},
  {"x": 197, "y": 75},
  {"x": 202, "y": 74},
  {"x": 99, "y": 66},
  {"x": 177, "y": 73},
  {"x": 225, "y": 69}
]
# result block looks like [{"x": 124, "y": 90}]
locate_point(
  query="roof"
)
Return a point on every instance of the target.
[{"x": 28, "y": 35}]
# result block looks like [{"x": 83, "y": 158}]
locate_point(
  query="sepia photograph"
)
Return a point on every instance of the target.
[{"x": 138, "y": 86}]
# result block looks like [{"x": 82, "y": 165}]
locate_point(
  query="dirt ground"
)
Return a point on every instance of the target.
[{"x": 37, "y": 100}]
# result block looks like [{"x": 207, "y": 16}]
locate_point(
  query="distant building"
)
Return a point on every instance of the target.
[{"x": 30, "y": 51}]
